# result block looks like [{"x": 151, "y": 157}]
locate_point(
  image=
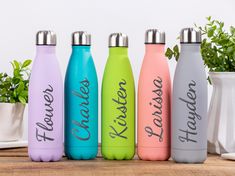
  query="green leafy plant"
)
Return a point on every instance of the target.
[
  {"x": 14, "y": 88},
  {"x": 217, "y": 48}
]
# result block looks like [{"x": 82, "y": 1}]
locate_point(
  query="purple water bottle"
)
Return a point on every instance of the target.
[{"x": 45, "y": 128}]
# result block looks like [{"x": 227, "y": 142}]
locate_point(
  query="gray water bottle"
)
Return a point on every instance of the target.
[{"x": 189, "y": 103}]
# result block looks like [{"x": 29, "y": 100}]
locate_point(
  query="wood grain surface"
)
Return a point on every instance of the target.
[{"x": 16, "y": 162}]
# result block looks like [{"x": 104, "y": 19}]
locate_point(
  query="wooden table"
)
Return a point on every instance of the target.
[{"x": 16, "y": 162}]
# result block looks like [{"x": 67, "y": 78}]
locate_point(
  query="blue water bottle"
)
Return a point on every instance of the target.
[{"x": 81, "y": 101}]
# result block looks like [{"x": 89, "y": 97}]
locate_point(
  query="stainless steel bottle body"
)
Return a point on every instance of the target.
[{"x": 189, "y": 107}]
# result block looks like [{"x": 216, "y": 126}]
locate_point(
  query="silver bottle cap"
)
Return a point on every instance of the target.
[
  {"x": 118, "y": 40},
  {"x": 190, "y": 35},
  {"x": 81, "y": 38},
  {"x": 154, "y": 36},
  {"x": 46, "y": 38}
]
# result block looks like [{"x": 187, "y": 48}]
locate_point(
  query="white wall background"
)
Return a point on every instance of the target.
[{"x": 20, "y": 20}]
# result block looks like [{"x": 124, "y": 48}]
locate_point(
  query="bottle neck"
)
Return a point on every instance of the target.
[
  {"x": 80, "y": 48},
  {"x": 45, "y": 49},
  {"x": 118, "y": 50},
  {"x": 155, "y": 48},
  {"x": 190, "y": 47}
]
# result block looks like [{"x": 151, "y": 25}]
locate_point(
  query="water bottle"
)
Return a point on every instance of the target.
[
  {"x": 189, "y": 106},
  {"x": 81, "y": 100},
  {"x": 45, "y": 128},
  {"x": 118, "y": 102},
  {"x": 154, "y": 100}
]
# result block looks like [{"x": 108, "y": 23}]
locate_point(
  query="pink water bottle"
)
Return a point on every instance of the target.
[
  {"x": 154, "y": 100},
  {"x": 45, "y": 128}
]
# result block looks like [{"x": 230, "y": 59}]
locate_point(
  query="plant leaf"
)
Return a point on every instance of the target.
[
  {"x": 26, "y": 63},
  {"x": 16, "y": 64},
  {"x": 22, "y": 99}
]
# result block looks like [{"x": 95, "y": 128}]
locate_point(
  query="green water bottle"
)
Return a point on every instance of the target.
[{"x": 118, "y": 102}]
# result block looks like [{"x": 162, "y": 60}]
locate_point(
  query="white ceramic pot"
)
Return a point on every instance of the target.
[
  {"x": 11, "y": 121},
  {"x": 221, "y": 117}
]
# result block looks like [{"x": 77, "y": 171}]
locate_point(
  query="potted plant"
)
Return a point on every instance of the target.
[
  {"x": 218, "y": 52},
  {"x": 13, "y": 98}
]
